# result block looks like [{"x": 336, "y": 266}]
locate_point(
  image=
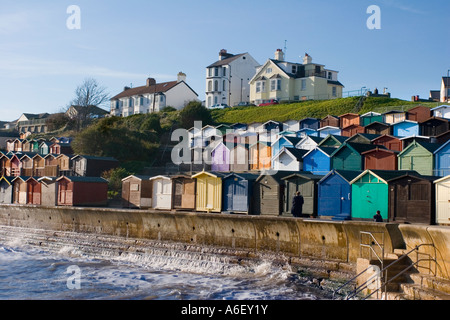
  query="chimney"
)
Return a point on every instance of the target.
[
  {"x": 151, "y": 82},
  {"x": 181, "y": 77},
  {"x": 223, "y": 54},
  {"x": 279, "y": 55},
  {"x": 307, "y": 59},
  {"x": 126, "y": 88}
]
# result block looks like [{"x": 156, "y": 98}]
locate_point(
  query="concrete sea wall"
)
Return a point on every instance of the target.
[{"x": 337, "y": 241}]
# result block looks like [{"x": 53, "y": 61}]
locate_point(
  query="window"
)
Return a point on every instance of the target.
[
  {"x": 224, "y": 85},
  {"x": 329, "y": 75},
  {"x": 210, "y": 85},
  {"x": 334, "y": 91},
  {"x": 224, "y": 71},
  {"x": 275, "y": 85},
  {"x": 303, "y": 84},
  {"x": 269, "y": 70},
  {"x": 258, "y": 86},
  {"x": 216, "y": 85},
  {"x": 216, "y": 71},
  {"x": 209, "y": 72},
  {"x": 294, "y": 69}
]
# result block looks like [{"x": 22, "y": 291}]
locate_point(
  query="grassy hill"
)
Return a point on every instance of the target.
[{"x": 312, "y": 108}]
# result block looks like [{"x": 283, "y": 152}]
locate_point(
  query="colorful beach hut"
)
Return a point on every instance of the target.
[
  {"x": 419, "y": 113},
  {"x": 260, "y": 156},
  {"x": 370, "y": 117},
  {"x": 137, "y": 192},
  {"x": 308, "y": 143},
  {"x": 220, "y": 157},
  {"x": 239, "y": 158},
  {"x": 306, "y": 183},
  {"x": 289, "y": 159},
  {"x": 378, "y": 128},
  {"x": 209, "y": 191},
  {"x": 442, "y": 186},
  {"x": 33, "y": 191},
  {"x": 405, "y": 128},
  {"x": 389, "y": 142},
  {"x": 418, "y": 156},
  {"x": 330, "y": 120},
  {"x": 412, "y": 199},
  {"x": 434, "y": 126},
  {"x": 162, "y": 192},
  {"x": 380, "y": 159},
  {"x": 442, "y": 160},
  {"x": 237, "y": 191},
  {"x": 334, "y": 141},
  {"x": 183, "y": 192},
  {"x": 6, "y": 190},
  {"x": 20, "y": 189},
  {"x": 318, "y": 160},
  {"x": 82, "y": 191},
  {"x": 370, "y": 192},
  {"x": 335, "y": 195},
  {"x": 49, "y": 191},
  {"x": 324, "y": 131},
  {"x": 349, "y": 156},
  {"x": 309, "y": 123}
]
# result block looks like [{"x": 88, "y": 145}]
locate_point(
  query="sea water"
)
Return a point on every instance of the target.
[{"x": 73, "y": 271}]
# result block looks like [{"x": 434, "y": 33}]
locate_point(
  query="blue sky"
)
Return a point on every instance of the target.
[{"x": 124, "y": 42}]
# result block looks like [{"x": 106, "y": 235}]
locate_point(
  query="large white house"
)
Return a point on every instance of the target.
[
  {"x": 227, "y": 79},
  {"x": 280, "y": 80},
  {"x": 153, "y": 97}
]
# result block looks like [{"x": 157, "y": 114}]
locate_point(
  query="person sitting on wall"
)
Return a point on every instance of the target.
[{"x": 377, "y": 217}]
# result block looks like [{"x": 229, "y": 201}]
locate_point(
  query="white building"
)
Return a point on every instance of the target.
[
  {"x": 445, "y": 89},
  {"x": 153, "y": 97},
  {"x": 227, "y": 80}
]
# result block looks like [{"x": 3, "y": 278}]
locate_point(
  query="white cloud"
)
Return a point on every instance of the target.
[{"x": 399, "y": 5}]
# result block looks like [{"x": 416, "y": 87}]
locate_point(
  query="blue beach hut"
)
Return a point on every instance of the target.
[
  {"x": 325, "y": 131},
  {"x": 284, "y": 141},
  {"x": 302, "y": 133},
  {"x": 318, "y": 160},
  {"x": 335, "y": 193},
  {"x": 237, "y": 190},
  {"x": 405, "y": 128},
  {"x": 442, "y": 160},
  {"x": 309, "y": 123}
]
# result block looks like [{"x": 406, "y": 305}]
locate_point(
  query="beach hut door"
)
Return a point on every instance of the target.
[
  {"x": 239, "y": 197},
  {"x": 178, "y": 196}
]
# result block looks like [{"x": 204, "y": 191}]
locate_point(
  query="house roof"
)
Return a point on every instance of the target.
[
  {"x": 157, "y": 88},
  {"x": 226, "y": 61}
]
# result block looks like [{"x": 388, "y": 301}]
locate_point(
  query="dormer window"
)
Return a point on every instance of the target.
[{"x": 294, "y": 69}]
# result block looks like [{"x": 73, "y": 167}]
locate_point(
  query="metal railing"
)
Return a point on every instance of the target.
[{"x": 380, "y": 277}]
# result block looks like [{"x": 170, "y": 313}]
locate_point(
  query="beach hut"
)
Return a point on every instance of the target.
[
  {"x": 51, "y": 165},
  {"x": 162, "y": 192},
  {"x": 38, "y": 165},
  {"x": 370, "y": 192},
  {"x": 183, "y": 192},
  {"x": 306, "y": 132},
  {"x": 239, "y": 158},
  {"x": 309, "y": 123},
  {"x": 49, "y": 191},
  {"x": 238, "y": 126},
  {"x": 380, "y": 159},
  {"x": 412, "y": 199},
  {"x": 91, "y": 166},
  {"x": 351, "y": 130},
  {"x": 15, "y": 165},
  {"x": 378, "y": 128},
  {"x": 137, "y": 192},
  {"x": 443, "y": 137},
  {"x": 442, "y": 187},
  {"x": 33, "y": 191},
  {"x": 268, "y": 194},
  {"x": 324, "y": 131},
  {"x": 220, "y": 157},
  {"x": 349, "y": 156},
  {"x": 289, "y": 159},
  {"x": 209, "y": 191},
  {"x": 333, "y": 141},
  {"x": 405, "y": 128},
  {"x": 27, "y": 164},
  {"x": 308, "y": 143},
  {"x": 64, "y": 164},
  {"x": 441, "y": 111},
  {"x": 370, "y": 117},
  {"x": 389, "y": 142},
  {"x": 20, "y": 189},
  {"x": 434, "y": 126},
  {"x": 256, "y": 127},
  {"x": 260, "y": 156},
  {"x": 306, "y": 183},
  {"x": 442, "y": 160},
  {"x": 318, "y": 160},
  {"x": 82, "y": 191},
  {"x": 418, "y": 156},
  {"x": 330, "y": 121},
  {"x": 406, "y": 141},
  {"x": 284, "y": 141},
  {"x": 349, "y": 119},
  {"x": 291, "y": 125},
  {"x": 334, "y": 193},
  {"x": 6, "y": 190},
  {"x": 419, "y": 113},
  {"x": 44, "y": 147},
  {"x": 395, "y": 116},
  {"x": 237, "y": 191}
]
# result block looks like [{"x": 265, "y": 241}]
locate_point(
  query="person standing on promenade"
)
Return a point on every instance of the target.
[{"x": 297, "y": 205}]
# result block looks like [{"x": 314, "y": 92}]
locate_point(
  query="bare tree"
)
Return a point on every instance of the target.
[{"x": 88, "y": 97}]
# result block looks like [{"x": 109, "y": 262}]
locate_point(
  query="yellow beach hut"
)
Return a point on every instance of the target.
[{"x": 209, "y": 191}]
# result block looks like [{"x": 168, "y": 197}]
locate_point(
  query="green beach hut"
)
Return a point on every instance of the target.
[
  {"x": 349, "y": 156},
  {"x": 418, "y": 156},
  {"x": 370, "y": 192}
]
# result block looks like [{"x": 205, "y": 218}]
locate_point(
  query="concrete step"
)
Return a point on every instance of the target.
[
  {"x": 431, "y": 282},
  {"x": 418, "y": 292}
]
